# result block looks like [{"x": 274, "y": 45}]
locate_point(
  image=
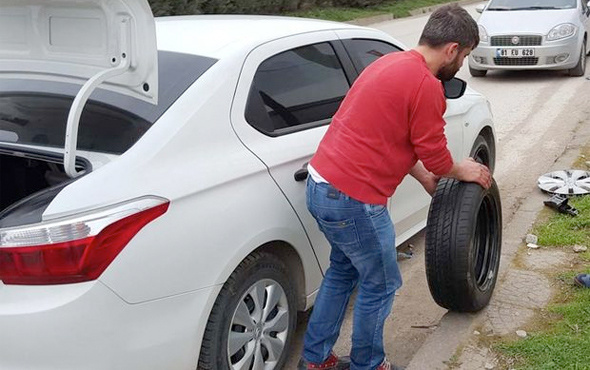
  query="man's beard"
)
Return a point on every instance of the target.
[{"x": 449, "y": 71}]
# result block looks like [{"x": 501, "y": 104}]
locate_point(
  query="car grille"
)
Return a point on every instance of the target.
[
  {"x": 523, "y": 40},
  {"x": 526, "y": 61}
]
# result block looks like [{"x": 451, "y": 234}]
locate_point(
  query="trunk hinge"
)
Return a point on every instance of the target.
[{"x": 71, "y": 140}]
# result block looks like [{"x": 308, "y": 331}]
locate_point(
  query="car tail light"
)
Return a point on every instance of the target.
[{"x": 75, "y": 248}]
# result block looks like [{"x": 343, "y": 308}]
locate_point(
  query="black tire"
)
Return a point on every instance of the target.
[
  {"x": 580, "y": 68},
  {"x": 478, "y": 72},
  {"x": 267, "y": 273},
  {"x": 483, "y": 153},
  {"x": 463, "y": 244}
]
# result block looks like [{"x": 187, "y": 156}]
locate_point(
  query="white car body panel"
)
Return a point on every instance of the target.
[
  {"x": 196, "y": 187},
  {"x": 49, "y": 321},
  {"x": 541, "y": 21},
  {"x": 182, "y": 34},
  {"x": 283, "y": 164}
]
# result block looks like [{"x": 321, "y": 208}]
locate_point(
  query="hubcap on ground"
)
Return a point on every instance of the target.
[{"x": 567, "y": 182}]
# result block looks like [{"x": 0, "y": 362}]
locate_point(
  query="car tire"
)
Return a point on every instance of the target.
[
  {"x": 478, "y": 72},
  {"x": 482, "y": 152},
  {"x": 580, "y": 68},
  {"x": 463, "y": 244},
  {"x": 253, "y": 319}
]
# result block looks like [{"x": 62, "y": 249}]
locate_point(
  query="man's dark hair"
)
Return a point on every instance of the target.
[{"x": 450, "y": 23}]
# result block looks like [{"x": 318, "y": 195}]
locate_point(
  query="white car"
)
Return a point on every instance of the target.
[
  {"x": 532, "y": 34},
  {"x": 162, "y": 223}
]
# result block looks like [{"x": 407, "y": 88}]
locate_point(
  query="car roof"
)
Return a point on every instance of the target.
[{"x": 218, "y": 35}]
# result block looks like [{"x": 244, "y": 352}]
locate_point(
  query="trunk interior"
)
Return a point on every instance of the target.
[{"x": 21, "y": 177}]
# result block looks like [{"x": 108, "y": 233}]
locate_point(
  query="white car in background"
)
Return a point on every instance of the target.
[
  {"x": 532, "y": 34},
  {"x": 161, "y": 224}
]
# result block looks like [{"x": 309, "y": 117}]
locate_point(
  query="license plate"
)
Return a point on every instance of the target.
[{"x": 515, "y": 53}]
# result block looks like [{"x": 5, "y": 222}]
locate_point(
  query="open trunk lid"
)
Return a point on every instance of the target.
[
  {"x": 91, "y": 42},
  {"x": 74, "y": 40}
]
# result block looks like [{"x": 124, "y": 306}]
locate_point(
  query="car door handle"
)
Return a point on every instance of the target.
[{"x": 302, "y": 173}]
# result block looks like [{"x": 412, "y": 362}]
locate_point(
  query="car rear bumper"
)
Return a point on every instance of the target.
[
  {"x": 87, "y": 326},
  {"x": 562, "y": 54}
]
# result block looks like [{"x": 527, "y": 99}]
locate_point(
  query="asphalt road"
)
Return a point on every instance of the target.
[{"x": 537, "y": 114}]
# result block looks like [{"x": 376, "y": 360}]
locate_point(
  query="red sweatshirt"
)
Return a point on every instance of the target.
[{"x": 390, "y": 118}]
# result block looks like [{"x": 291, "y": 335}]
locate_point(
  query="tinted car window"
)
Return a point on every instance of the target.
[
  {"x": 296, "y": 89},
  {"x": 35, "y": 111},
  {"x": 41, "y": 120},
  {"x": 364, "y": 52}
]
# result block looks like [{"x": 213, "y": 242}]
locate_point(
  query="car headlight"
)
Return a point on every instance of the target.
[
  {"x": 483, "y": 34},
  {"x": 562, "y": 31}
]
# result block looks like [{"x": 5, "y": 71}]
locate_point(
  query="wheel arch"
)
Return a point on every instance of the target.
[
  {"x": 479, "y": 122},
  {"x": 289, "y": 255},
  {"x": 488, "y": 134}
]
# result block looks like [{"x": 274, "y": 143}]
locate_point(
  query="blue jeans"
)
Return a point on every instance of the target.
[{"x": 363, "y": 251}]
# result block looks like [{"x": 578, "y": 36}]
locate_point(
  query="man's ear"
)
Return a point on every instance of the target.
[{"x": 451, "y": 50}]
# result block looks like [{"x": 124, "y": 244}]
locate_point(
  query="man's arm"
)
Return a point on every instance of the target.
[
  {"x": 425, "y": 177},
  {"x": 467, "y": 170},
  {"x": 430, "y": 144}
]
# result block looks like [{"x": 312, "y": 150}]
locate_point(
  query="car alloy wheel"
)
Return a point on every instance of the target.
[
  {"x": 259, "y": 327},
  {"x": 253, "y": 319}
]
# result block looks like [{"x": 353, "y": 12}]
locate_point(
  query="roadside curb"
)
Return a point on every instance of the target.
[{"x": 367, "y": 21}]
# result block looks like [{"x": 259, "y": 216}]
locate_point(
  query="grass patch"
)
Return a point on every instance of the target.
[
  {"x": 584, "y": 157},
  {"x": 398, "y": 8},
  {"x": 564, "y": 344},
  {"x": 559, "y": 336},
  {"x": 564, "y": 230}
]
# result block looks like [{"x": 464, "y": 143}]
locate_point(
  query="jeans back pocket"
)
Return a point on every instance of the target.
[{"x": 341, "y": 234}]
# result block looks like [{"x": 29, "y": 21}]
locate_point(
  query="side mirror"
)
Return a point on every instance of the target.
[
  {"x": 454, "y": 88},
  {"x": 480, "y": 8}
]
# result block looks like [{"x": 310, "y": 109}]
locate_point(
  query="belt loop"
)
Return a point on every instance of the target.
[{"x": 311, "y": 185}]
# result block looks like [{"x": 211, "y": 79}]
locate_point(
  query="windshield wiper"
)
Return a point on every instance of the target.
[{"x": 499, "y": 8}]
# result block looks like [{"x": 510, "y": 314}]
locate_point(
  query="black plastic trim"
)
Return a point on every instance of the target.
[
  {"x": 42, "y": 155},
  {"x": 29, "y": 210}
]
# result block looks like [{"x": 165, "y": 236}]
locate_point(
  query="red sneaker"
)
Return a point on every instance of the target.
[
  {"x": 332, "y": 363},
  {"x": 386, "y": 365}
]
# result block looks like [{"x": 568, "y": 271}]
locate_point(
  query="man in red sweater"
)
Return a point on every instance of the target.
[{"x": 389, "y": 124}]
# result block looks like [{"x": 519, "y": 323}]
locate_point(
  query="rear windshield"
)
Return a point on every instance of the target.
[
  {"x": 499, "y": 5},
  {"x": 35, "y": 112}
]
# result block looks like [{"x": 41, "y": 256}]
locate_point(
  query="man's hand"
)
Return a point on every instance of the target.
[
  {"x": 428, "y": 180},
  {"x": 471, "y": 171},
  {"x": 430, "y": 183}
]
